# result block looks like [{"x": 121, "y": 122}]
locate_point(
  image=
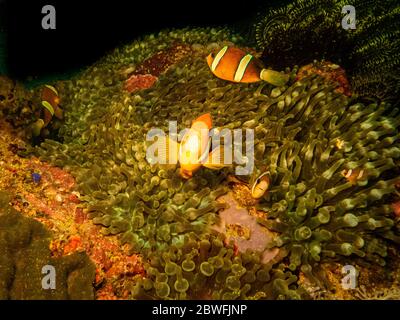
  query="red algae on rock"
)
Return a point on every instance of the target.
[
  {"x": 162, "y": 60},
  {"x": 139, "y": 82},
  {"x": 396, "y": 208},
  {"x": 332, "y": 73},
  {"x": 146, "y": 74}
]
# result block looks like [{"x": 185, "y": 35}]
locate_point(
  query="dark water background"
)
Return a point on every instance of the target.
[{"x": 86, "y": 30}]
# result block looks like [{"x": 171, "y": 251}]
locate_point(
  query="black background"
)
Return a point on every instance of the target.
[
  {"x": 86, "y": 30},
  {"x": 256, "y": 310}
]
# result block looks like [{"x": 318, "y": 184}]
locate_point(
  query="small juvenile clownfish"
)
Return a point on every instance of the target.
[
  {"x": 355, "y": 176},
  {"x": 51, "y": 103},
  {"x": 235, "y": 65},
  {"x": 261, "y": 185}
]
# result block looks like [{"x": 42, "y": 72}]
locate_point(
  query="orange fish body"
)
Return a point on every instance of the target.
[
  {"x": 51, "y": 103},
  {"x": 195, "y": 146},
  {"x": 193, "y": 152},
  {"x": 225, "y": 65},
  {"x": 233, "y": 64}
]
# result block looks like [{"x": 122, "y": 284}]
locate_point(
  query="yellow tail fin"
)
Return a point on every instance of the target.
[{"x": 274, "y": 77}]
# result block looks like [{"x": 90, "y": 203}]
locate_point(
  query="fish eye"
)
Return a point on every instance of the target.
[{"x": 212, "y": 55}]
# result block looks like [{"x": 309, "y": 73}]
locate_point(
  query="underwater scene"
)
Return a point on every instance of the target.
[{"x": 249, "y": 161}]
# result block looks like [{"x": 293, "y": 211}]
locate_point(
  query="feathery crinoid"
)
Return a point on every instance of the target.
[
  {"x": 375, "y": 57},
  {"x": 305, "y": 30},
  {"x": 293, "y": 34}
]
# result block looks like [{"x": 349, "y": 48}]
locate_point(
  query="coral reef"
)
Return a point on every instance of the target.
[
  {"x": 333, "y": 74},
  {"x": 146, "y": 73},
  {"x": 332, "y": 162},
  {"x": 159, "y": 62},
  {"x": 15, "y": 102},
  {"x": 369, "y": 53},
  {"x": 24, "y": 246},
  {"x": 139, "y": 82},
  {"x": 53, "y": 202}
]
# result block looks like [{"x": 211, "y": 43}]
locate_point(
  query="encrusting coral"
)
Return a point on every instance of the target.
[
  {"x": 332, "y": 162},
  {"x": 24, "y": 252}
]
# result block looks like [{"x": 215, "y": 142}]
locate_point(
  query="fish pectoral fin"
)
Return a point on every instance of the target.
[
  {"x": 59, "y": 113},
  {"x": 214, "y": 166},
  {"x": 37, "y": 127},
  {"x": 274, "y": 77},
  {"x": 218, "y": 158}
]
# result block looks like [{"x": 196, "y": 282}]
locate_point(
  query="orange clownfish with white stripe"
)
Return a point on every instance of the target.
[
  {"x": 356, "y": 176},
  {"x": 195, "y": 146},
  {"x": 195, "y": 149},
  {"x": 51, "y": 104},
  {"x": 235, "y": 65}
]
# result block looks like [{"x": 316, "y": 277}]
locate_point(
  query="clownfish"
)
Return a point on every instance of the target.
[
  {"x": 235, "y": 65},
  {"x": 51, "y": 104},
  {"x": 355, "y": 176},
  {"x": 195, "y": 145},
  {"x": 261, "y": 185},
  {"x": 193, "y": 151}
]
